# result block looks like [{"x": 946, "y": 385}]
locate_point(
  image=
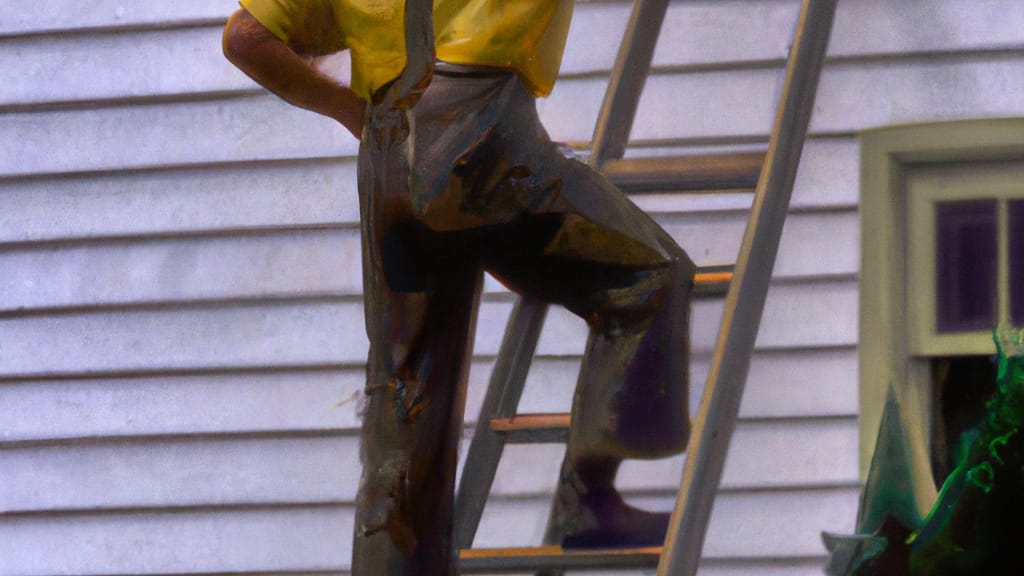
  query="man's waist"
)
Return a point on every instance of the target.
[{"x": 448, "y": 69}]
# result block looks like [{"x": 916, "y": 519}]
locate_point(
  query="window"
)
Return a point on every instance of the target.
[
  {"x": 942, "y": 239},
  {"x": 962, "y": 225},
  {"x": 960, "y": 228},
  {"x": 966, "y": 246}
]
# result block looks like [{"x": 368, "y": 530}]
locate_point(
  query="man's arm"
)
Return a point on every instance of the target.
[{"x": 271, "y": 63}]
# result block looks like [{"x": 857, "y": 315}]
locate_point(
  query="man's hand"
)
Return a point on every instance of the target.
[{"x": 275, "y": 66}]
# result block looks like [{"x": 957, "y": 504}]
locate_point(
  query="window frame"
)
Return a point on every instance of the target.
[
  {"x": 888, "y": 355},
  {"x": 925, "y": 188}
]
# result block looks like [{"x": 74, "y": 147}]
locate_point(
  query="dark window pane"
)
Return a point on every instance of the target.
[
  {"x": 961, "y": 385},
  {"x": 966, "y": 254},
  {"x": 1017, "y": 262}
]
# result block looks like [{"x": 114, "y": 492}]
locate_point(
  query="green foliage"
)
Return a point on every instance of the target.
[{"x": 972, "y": 528}]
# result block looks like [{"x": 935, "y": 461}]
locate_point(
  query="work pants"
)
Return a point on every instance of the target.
[{"x": 488, "y": 190}]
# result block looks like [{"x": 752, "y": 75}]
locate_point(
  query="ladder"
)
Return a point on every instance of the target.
[{"x": 771, "y": 174}]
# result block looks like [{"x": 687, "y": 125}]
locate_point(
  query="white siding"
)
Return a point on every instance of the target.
[{"x": 180, "y": 311}]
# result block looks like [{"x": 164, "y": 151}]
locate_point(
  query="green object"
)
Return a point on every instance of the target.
[
  {"x": 975, "y": 525},
  {"x": 889, "y": 508}
]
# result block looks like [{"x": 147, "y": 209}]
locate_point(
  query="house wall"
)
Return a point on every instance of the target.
[{"x": 181, "y": 338}]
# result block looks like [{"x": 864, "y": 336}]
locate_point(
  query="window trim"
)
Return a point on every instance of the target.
[
  {"x": 888, "y": 154},
  {"x": 925, "y": 188}
]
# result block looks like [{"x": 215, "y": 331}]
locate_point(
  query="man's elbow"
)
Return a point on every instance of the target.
[{"x": 240, "y": 36}]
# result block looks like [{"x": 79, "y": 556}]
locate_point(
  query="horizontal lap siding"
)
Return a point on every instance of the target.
[
  {"x": 327, "y": 331},
  {"x": 307, "y": 538},
  {"x": 165, "y": 62},
  {"x": 718, "y": 105},
  {"x": 782, "y": 384},
  {"x": 278, "y": 195},
  {"x": 301, "y": 538},
  {"x": 700, "y": 34},
  {"x": 283, "y": 195},
  {"x": 151, "y": 472},
  {"x": 181, "y": 331},
  {"x": 294, "y": 400},
  {"x": 50, "y": 16},
  {"x": 144, "y": 135},
  {"x": 289, "y": 263},
  {"x": 734, "y": 104}
]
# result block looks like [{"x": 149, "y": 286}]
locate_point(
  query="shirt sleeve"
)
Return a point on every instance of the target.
[{"x": 306, "y": 25}]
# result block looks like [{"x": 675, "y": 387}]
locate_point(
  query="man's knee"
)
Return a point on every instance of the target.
[{"x": 636, "y": 305}]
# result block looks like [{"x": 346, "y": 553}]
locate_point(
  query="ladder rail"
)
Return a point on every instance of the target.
[
  {"x": 629, "y": 74},
  {"x": 508, "y": 378},
  {"x": 744, "y": 305},
  {"x": 719, "y": 408}
]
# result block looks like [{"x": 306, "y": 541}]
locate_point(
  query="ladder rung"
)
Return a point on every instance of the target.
[
  {"x": 533, "y": 428},
  {"x": 712, "y": 283},
  {"x": 693, "y": 173},
  {"x": 712, "y": 277},
  {"x": 497, "y": 560}
]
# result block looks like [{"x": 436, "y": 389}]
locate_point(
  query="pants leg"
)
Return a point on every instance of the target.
[
  {"x": 599, "y": 255},
  {"x": 552, "y": 227},
  {"x": 421, "y": 299},
  {"x": 633, "y": 289}
]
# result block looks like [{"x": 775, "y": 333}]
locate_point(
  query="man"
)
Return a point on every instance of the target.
[{"x": 457, "y": 176}]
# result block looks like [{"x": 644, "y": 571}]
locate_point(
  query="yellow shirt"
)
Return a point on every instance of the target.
[{"x": 527, "y": 36}]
